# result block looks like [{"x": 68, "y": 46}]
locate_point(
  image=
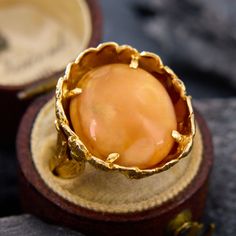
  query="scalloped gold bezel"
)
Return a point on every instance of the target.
[{"x": 107, "y": 53}]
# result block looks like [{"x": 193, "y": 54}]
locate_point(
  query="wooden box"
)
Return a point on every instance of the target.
[
  {"x": 37, "y": 39},
  {"x": 103, "y": 210}
]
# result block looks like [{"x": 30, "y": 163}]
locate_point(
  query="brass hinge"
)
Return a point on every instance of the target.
[{"x": 182, "y": 225}]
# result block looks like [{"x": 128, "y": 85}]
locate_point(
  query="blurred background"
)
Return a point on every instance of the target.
[{"x": 197, "y": 39}]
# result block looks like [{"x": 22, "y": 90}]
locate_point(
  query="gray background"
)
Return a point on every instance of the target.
[{"x": 136, "y": 22}]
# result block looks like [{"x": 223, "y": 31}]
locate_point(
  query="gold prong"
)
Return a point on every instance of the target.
[
  {"x": 134, "y": 61},
  {"x": 73, "y": 92},
  {"x": 176, "y": 135},
  {"x": 112, "y": 157}
]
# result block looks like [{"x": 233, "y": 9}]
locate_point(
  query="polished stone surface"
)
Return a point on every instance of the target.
[{"x": 126, "y": 111}]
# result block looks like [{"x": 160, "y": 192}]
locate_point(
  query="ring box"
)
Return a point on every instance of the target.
[
  {"x": 100, "y": 203},
  {"x": 37, "y": 39}
]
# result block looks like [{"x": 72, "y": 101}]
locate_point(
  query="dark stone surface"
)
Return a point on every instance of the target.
[
  {"x": 28, "y": 225},
  {"x": 221, "y": 206}
]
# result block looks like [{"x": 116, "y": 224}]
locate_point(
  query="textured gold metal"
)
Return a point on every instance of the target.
[
  {"x": 108, "y": 53},
  {"x": 134, "y": 62},
  {"x": 178, "y": 221},
  {"x": 112, "y": 157}
]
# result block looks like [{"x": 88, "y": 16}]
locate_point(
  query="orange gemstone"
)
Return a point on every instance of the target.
[{"x": 126, "y": 111}]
